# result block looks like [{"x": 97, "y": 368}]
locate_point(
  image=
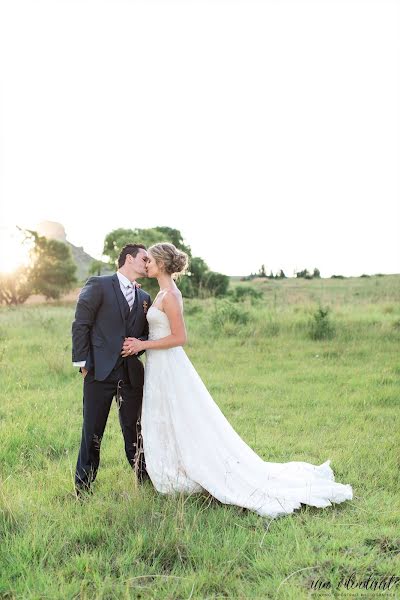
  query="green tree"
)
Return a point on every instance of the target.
[
  {"x": 195, "y": 278},
  {"x": 175, "y": 237},
  {"x": 118, "y": 238},
  {"x": 216, "y": 284},
  {"x": 15, "y": 287},
  {"x": 52, "y": 272},
  {"x": 96, "y": 267},
  {"x": 199, "y": 281},
  {"x": 262, "y": 272},
  {"x": 305, "y": 274}
]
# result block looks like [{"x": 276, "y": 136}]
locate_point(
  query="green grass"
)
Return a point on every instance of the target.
[{"x": 289, "y": 396}]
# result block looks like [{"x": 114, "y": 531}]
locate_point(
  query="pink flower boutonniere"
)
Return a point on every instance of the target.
[{"x": 145, "y": 306}]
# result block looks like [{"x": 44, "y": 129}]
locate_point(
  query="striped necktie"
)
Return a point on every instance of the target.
[{"x": 129, "y": 295}]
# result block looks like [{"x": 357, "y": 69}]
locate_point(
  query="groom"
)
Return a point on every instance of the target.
[{"x": 109, "y": 309}]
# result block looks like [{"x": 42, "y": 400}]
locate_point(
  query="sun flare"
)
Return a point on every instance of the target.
[{"x": 14, "y": 250}]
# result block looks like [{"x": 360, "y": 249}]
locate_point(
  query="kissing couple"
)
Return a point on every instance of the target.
[{"x": 174, "y": 432}]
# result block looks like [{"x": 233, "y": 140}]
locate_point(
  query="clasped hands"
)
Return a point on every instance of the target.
[{"x": 131, "y": 346}]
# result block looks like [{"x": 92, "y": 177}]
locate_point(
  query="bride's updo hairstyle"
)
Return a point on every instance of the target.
[{"x": 169, "y": 258}]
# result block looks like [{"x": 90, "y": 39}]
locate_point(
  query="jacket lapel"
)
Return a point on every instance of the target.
[{"x": 119, "y": 294}]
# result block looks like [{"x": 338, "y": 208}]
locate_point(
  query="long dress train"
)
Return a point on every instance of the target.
[{"x": 189, "y": 445}]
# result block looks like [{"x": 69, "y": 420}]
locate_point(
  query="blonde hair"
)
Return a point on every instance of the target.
[{"x": 169, "y": 258}]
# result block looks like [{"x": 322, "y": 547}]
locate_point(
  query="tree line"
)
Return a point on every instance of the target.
[
  {"x": 199, "y": 282},
  {"x": 51, "y": 271},
  {"x": 262, "y": 273}
]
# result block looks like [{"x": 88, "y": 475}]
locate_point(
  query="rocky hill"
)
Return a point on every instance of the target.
[{"x": 56, "y": 231}]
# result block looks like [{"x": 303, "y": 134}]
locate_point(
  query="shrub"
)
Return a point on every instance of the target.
[
  {"x": 320, "y": 327},
  {"x": 216, "y": 283},
  {"x": 396, "y": 325},
  {"x": 226, "y": 313},
  {"x": 244, "y": 292}
]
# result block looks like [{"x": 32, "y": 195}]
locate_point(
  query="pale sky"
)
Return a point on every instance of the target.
[{"x": 267, "y": 132}]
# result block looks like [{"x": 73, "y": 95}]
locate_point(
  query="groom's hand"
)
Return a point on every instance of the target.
[
  {"x": 126, "y": 347},
  {"x": 84, "y": 372},
  {"x": 130, "y": 347}
]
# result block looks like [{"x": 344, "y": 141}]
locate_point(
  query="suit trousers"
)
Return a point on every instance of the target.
[{"x": 126, "y": 385}]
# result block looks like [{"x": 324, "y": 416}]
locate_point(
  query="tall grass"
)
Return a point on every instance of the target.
[{"x": 289, "y": 396}]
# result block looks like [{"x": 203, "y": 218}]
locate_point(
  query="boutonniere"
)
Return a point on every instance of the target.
[{"x": 145, "y": 306}]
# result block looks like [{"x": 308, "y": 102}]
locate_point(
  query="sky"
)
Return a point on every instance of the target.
[{"x": 266, "y": 132}]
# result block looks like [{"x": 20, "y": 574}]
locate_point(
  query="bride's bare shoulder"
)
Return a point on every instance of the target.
[{"x": 173, "y": 297}]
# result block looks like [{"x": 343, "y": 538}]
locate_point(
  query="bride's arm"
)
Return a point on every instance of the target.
[{"x": 173, "y": 309}]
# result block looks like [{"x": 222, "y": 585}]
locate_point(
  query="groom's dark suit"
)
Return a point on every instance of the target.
[{"x": 102, "y": 321}]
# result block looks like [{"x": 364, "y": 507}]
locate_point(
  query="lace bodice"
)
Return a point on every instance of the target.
[{"x": 158, "y": 323}]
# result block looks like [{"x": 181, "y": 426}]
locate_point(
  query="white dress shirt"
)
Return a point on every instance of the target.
[{"x": 124, "y": 283}]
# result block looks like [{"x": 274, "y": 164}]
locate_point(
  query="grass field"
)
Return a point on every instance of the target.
[{"x": 289, "y": 396}]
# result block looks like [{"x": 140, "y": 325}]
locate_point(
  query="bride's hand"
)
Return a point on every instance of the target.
[{"x": 131, "y": 346}]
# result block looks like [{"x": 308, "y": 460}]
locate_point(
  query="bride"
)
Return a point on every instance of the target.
[{"x": 189, "y": 445}]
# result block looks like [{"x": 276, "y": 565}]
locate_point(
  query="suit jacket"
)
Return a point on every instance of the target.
[{"x": 103, "y": 320}]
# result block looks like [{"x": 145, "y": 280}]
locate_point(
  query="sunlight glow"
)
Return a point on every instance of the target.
[{"x": 14, "y": 250}]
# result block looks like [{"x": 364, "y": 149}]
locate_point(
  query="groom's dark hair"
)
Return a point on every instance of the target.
[{"x": 131, "y": 249}]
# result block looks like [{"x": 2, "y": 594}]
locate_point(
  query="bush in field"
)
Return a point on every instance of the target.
[
  {"x": 227, "y": 314},
  {"x": 396, "y": 325},
  {"x": 305, "y": 274},
  {"x": 321, "y": 327},
  {"x": 245, "y": 292},
  {"x": 216, "y": 284}
]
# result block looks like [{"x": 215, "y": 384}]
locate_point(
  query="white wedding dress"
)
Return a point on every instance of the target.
[{"x": 189, "y": 445}]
